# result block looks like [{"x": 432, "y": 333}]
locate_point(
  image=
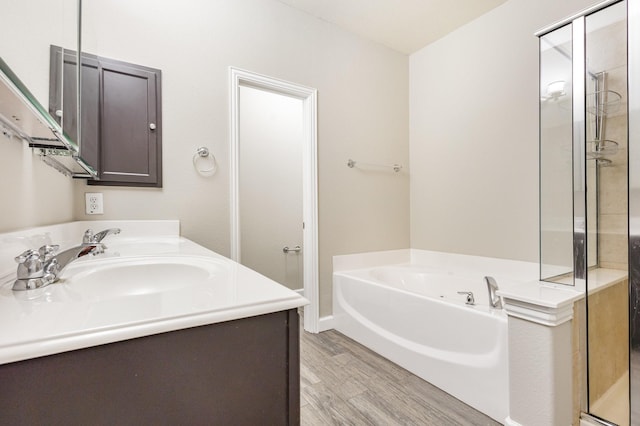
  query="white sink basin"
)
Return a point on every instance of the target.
[
  {"x": 143, "y": 246},
  {"x": 116, "y": 278}
]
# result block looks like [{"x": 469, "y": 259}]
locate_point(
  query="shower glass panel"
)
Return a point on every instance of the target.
[
  {"x": 556, "y": 156},
  {"x": 606, "y": 124}
]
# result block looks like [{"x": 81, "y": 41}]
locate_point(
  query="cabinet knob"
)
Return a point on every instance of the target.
[{"x": 152, "y": 126}]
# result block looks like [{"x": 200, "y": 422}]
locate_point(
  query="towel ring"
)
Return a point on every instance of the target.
[{"x": 203, "y": 154}]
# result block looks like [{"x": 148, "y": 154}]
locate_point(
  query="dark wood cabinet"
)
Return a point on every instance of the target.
[
  {"x": 121, "y": 116},
  {"x": 241, "y": 372}
]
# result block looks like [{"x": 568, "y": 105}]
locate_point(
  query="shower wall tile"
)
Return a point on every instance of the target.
[
  {"x": 609, "y": 44},
  {"x": 612, "y": 240},
  {"x": 617, "y": 81},
  {"x": 616, "y": 130},
  {"x": 608, "y": 327},
  {"x": 612, "y": 182},
  {"x": 613, "y": 191}
]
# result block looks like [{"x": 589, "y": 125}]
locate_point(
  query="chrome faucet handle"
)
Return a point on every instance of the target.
[
  {"x": 29, "y": 265},
  {"x": 91, "y": 238},
  {"x": 46, "y": 252},
  {"x": 87, "y": 238},
  {"x": 28, "y": 255}
]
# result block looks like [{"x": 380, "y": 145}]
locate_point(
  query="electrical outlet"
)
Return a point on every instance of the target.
[{"x": 93, "y": 203}]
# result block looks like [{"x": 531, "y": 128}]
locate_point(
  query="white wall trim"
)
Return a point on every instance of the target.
[
  {"x": 309, "y": 96},
  {"x": 325, "y": 323},
  {"x": 510, "y": 422}
]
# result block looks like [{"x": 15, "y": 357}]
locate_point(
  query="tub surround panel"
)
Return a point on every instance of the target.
[
  {"x": 503, "y": 268},
  {"x": 540, "y": 381},
  {"x": 371, "y": 259},
  {"x": 539, "y": 302}
]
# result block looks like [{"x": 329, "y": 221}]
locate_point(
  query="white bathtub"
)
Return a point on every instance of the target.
[{"x": 413, "y": 315}]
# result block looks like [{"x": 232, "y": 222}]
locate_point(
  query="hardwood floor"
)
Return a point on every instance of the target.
[{"x": 344, "y": 383}]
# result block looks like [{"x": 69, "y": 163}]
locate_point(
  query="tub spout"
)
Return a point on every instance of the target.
[{"x": 492, "y": 286}]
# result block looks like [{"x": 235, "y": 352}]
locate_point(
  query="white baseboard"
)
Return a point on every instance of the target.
[
  {"x": 325, "y": 323},
  {"x": 509, "y": 422}
]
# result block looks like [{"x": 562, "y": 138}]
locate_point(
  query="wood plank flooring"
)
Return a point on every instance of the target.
[{"x": 344, "y": 383}]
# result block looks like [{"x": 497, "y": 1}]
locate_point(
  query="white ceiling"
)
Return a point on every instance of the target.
[{"x": 403, "y": 25}]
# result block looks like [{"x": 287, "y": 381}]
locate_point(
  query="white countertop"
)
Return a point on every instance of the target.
[
  {"x": 69, "y": 315},
  {"x": 540, "y": 302}
]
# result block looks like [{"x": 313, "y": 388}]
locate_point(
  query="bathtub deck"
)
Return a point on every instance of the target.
[{"x": 342, "y": 382}]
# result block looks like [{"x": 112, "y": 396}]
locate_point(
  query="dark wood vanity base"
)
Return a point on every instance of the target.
[{"x": 241, "y": 372}]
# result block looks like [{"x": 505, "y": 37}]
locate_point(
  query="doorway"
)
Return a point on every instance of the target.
[{"x": 274, "y": 183}]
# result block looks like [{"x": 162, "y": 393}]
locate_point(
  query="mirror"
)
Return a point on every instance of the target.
[{"x": 28, "y": 30}]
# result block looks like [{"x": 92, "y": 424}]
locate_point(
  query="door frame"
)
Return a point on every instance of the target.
[{"x": 237, "y": 78}]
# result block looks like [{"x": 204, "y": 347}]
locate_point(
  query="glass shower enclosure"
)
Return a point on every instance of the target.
[{"x": 587, "y": 197}]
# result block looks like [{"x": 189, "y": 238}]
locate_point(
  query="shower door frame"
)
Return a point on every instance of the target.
[{"x": 633, "y": 84}]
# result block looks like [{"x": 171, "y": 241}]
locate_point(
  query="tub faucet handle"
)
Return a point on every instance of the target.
[{"x": 469, "y": 299}]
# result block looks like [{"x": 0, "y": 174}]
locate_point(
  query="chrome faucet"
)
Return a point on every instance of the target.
[
  {"x": 39, "y": 268},
  {"x": 492, "y": 286}
]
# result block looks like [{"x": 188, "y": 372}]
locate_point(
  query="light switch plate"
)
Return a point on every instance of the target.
[{"x": 93, "y": 203}]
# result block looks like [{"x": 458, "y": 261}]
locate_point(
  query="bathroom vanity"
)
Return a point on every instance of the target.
[{"x": 122, "y": 339}]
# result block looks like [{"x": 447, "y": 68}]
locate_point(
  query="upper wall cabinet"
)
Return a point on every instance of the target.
[{"x": 121, "y": 116}]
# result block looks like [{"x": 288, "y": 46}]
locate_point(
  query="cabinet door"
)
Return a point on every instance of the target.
[
  {"x": 121, "y": 116},
  {"x": 130, "y": 137}
]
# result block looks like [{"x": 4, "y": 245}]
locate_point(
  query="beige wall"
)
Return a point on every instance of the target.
[
  {"x": 474, "y": 133},
  {"x": 32, "y": 193},
  {"x": 362, "y": 114}
]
